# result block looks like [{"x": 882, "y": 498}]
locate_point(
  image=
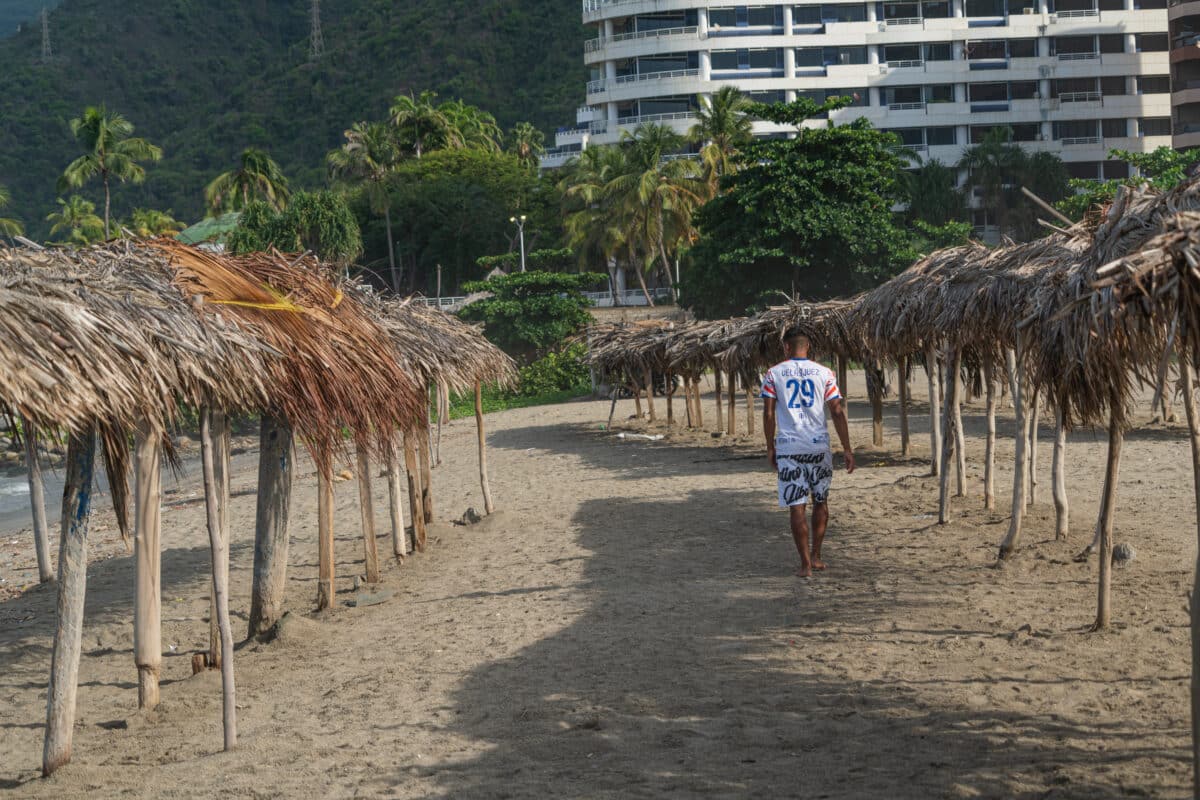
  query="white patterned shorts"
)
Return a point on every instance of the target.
[{"x": 803, "y": 476}]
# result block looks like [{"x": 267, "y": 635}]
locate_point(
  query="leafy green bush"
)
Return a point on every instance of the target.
[{"x": 557, "y": 371}]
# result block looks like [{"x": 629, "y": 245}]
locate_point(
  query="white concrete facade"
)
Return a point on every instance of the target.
[{"x": 1076, "y": 77}]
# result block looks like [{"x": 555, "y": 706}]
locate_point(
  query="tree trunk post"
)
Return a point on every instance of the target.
[
  {"x": 1020, "y": 472},
  {"x": 902, "y": 376},
  {"x": 749, "y": 404},
  {"x": 960, "y": 445},
  {"x": 1108, "y": 506},
  {"x": 415, "y": 508},
  {"x": 1187, "y": 375},
  {"x": 1034, "y": 413},
  {"x": 1058, "y": 475},
  {"x": 843, "y": 378},
  {"x": 426, "y": 480},
  {"x": 949, "y": 439},
  {"x": 699, "y": 405},
  {"x": 222, "y": 433},
  {"x": 935, "y": 425},
  {"x": 325, "y": 568},
  {"x": 875, "y": 381},
  {"x": 276, "y": 458},
  {"x": 147, "y": 548},
  {"x": 989, "y": 454},
  {"x": 719, "y": 396},
  {"x": 37, "y": 501},
  {"x": 649, "y": 381},
  {"x": 366, "y": 505},
  {"x": 731, "y": 388},
  {"x": 670, "y": 400},
  {"x": 220, "y": 571},
  {"x": 488, "y": 506},
  {"x": 72, "y": 587},
  {"x": 396, "y": 502}
]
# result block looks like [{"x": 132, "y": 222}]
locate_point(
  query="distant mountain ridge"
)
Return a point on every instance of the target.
[{"x": 206, "y": 78}]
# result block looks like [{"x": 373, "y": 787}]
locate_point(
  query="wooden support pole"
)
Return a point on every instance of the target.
[
  {"x": 1011, "y": 540},
  {"x": 749, "y": 404},
  {"x": 843, "y": 378},
  {"x": 147, "y": 549},
  {"x": 220, "y": 573},
  {"x": 935, "y": 425},
  {"x": 426, "y": 481},
  {"x": 325, "y": 567},
  {"x": 902, "y": 376},
  {"x": 989, "y": 449},
  {"x": 396, "y": 501},
  {"x": 222, "y": 433},
  {"x": 1058, "y": 475},
  {"x": 960, "y": 444},
  {"x": 1187, "y": 375},
  {"x": 637, "y": 399},
  {"x": 699, "y": 405},
  {"x": 37, "y": 501},
  {"x": 875, "y": 380},
  {"x": 415, "y": 508},
  {"x": 366, "y": 505},
  {"x": 648, "y": 378},
  {"x": 670, "y": 400},
  {"x": 949, "y": 439},
  {"x": 1034, "y": 413},
  {"x": 1108, "y": 507},
  {"x": 72, "y": 587},
  {"x": 276, "y": 457},
  {"x": 488, "y": 506},
  {"x": 731, "y": 387},
  {"x": 719, "y": 393}
]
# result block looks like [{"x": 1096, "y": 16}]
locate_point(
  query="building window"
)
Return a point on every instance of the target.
[
  {"x": 1073, "y": 45},
  {"x": 939, "y": 93},
  {"x": 1077, "y": 129},
  {"x": 1084, "y": 170},
  {"x": 1152, "y": 43},
  {"x": 1114, "y": 128},
  {"x": 938, "y": 51},
  {"x": 984, "y": 8},
  {"x": 842, "y": 13},
  {"x": 810, "y": 57},
  {"x": 936, "y": 9},
  {"x": 987, "y": 92},
  {"x": 1154, "y": 126},
  {"x": 722, "y": 17},
  {"x": 859, "y": 97},
  {"x": 809, "y": 15},
  {"x": 766, "y": 59},
  {"x": 1023, "y": 90},
  {"x": 771, "y": 97},
  {"x": 990, "y": 49},
  {"x": 942, "y": 135},
  {"x": 1113, "y": 85},
  {"x": 845, "y": 55},
  {"x": 1026, "y": 132},
  {"x": 1154, "y": 84},
  {"x": 724, "y": 59},
  {"x": 1114, "y": 42},
  {"x": 765, "y": 16},
  {"x": 1022, "y": 48}
]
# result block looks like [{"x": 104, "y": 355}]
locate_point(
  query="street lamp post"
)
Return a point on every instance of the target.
[{"x": 520, "y": 223}]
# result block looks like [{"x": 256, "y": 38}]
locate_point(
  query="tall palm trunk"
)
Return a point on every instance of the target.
[
  {"x": 245, "y": 195},
  {"x": 637, "y": 269},
  {"x": 387, "y": 218},
  {"x": 107, "y": 205},
  {"x": 662, "y": 251}
]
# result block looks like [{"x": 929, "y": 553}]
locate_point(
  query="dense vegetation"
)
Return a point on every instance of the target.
[
  {"x": 18, "y": 13},
  {"x": 204, "y": 80}
]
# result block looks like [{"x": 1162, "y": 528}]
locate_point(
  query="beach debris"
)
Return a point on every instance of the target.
[
  {"x": 643, "y": 436},
  {"x": 1123, "y": 554}
]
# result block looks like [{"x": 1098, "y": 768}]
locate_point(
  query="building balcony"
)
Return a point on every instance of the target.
[
  {"x": 632, "y": 45},
  {"x": 1183, "y": 140}
]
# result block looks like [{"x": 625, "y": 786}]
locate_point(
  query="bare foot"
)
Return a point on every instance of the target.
[
  {"x": 818, "y": 564},
  {"x": 803, "y": 572}
]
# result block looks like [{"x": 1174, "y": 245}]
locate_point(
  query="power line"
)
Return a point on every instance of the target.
[
  {"x": 316, "y": 42},
  {"x": 47, "y": 53}
]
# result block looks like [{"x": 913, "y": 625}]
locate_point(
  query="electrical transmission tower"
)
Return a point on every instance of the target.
[
  {"x": 316, "y": 42},
  {"x": 46, "y": 51}
]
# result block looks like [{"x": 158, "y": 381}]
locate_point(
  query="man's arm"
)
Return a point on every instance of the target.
[
  {"x": 837, "y": 410},
  {"x": 769, "y": 429}
]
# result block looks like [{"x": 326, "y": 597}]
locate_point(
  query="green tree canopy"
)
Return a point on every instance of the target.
[
  {"x": 932, "y": 193},
  {"x": 526, "y": 142},
  {"x": 810, "y": 216},
  {"x": 560, "y": 260},
  {"x": 532, "y": 312},
  {"x": 998, "y": 167},
  {"x": 147, "y": 222},
  {"x": 8, "y": 227},
  {"x": 368, "y": 160},
  {"x": 257, "y": 177},
  {"x": 76, "y": 218},
  {"x": 110, "y": 151},
  {"x": 319, "y": 222},
  {"x": 1163, "y": 168}
]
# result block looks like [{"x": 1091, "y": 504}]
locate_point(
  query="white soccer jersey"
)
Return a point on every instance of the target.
[{"x": 801, "y": 388}]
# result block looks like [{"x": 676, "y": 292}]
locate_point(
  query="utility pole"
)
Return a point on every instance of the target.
[
  {"x": 316, "y": 42},
  {"x": 520, "y": 223},
  {"x": 47, "y": 53}
]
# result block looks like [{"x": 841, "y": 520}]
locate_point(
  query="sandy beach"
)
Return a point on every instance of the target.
[{"x": 628, "y": 625}]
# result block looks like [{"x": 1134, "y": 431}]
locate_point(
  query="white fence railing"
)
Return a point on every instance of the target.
[
  {"x": 629, "y": 297},
  {"x": 592, "y": 45}
]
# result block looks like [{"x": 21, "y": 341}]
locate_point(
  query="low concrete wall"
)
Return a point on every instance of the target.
[{"x": 639, "y": 313}]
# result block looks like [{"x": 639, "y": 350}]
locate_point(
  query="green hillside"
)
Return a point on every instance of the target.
[{"x": 206, "y": 78}]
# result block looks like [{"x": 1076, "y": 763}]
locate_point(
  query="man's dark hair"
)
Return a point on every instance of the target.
[{"x": 796, "y": 335}]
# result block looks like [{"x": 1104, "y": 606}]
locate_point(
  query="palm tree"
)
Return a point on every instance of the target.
[
  {"x": 421, "y": 124},
  {"x": 370, "y": 157},
  {"x": 8, "y": 227},
  {"x": 258, "y": 178},
  {"x": 933, "y": 195},
  {"x": 992, "y": 167},
  {"x": 658, "y": 194},
  {"x": 77, "y": 218},
  {"x": 722, "y": 127},
  {"x": 110, "y": 151},
  {"x": 474, "y": 128},
  {"x": 593, "y": 229},
  {"x": 527, "y": 143},
  {"x": 147, "y": 222}
]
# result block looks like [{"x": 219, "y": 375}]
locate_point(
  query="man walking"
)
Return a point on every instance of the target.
[{"x": 795, "y": 395}]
